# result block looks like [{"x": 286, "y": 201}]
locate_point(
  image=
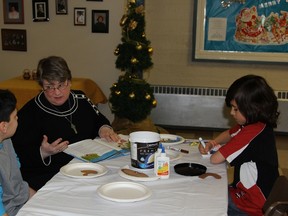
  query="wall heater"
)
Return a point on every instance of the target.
[{"x": 202, "y": 107}]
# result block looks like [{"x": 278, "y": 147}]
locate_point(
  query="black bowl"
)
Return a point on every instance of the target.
[{"x": 190, "y": 169}]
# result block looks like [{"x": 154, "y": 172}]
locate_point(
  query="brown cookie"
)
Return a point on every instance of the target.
[
  {"x": 87, "y": 172},
  {"x": 134, "y": 173},
  {"x": 210, "y": 174}
]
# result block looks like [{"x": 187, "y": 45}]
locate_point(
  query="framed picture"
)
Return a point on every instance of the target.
[
  {"x": 40, "y": 10},
  {"x": 13, "y": 11},
  {"x": 61, "y": 6},
  {"x": 100, "y": 21},
  {"x": 240, "y": 30},
  {"x": 79, "y": 16},
  {"x": 14, "y": 39}
]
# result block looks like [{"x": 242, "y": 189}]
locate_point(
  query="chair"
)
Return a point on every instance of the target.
[{"x": 277, "y": 201}]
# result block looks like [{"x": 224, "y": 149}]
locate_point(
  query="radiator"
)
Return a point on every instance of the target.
[{"x": 201, "y": 107}]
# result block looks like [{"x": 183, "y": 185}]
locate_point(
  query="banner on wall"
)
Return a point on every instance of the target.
[{"x": 242, "y": 26}]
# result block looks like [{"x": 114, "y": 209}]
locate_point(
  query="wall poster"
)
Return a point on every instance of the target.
[{"x": 241, "y": 30}]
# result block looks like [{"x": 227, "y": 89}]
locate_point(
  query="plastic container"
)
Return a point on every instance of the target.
[
  {"x": 157, "y": 154},
  {"x": 163, "y": 165},
  {"x": 143, "y": 146}
]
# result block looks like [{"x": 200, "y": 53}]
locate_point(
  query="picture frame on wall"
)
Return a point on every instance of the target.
[
  {"x": 80, "y": 16},
  {"x": 14, "y": 39},
  {"x": 13, "y": 11},
  {"x": 240, "y": 31},
  {"x": 100, "y": 21},
  {"x": 40, "y": 10},
  {"x": 61, "y": 7}
]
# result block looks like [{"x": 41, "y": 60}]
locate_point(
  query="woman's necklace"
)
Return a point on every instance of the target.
[
  {"x": 73, "y": 126},
  {"x": 44, "y": 105},
  {"x": 56, "y": 112},
  {"x": 70, "y": 120}
]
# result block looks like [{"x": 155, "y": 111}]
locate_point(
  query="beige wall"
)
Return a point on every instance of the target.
[
  {"x": 168, "y": 27},
  {"x": 88, "y": 54}
]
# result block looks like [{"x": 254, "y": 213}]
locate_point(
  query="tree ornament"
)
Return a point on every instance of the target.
[
  {"x": 132, "y": 95},
  {"x": 150, "y": 50},
  {"x": 147, "y": 96},
  {"x": 143, "y": 35},
  {"x": 140, "y": 10},
  {"x": 133, "y": 24},
  {"x": 133, "y": 1},
  {"x": 139, "y": 46},
  {"x": 123, "y": 20},
  {"x": 117, "y": 51},
  {"x": 115, "y": 85},
  {"x": 154, "y": 103},
  {"x": 117, "y": 92},
  {"x": 134, "y": 60},
  {"x": 133, "y": 77}
]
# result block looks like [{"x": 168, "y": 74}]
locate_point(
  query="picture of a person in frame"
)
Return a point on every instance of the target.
[
  {"x": 100, "y": 23},
  {"x": 80, "y": 19},
  {"x": 13, "y": 11},
  {"x": 61, "y": 6},
  {"x": 40, "y": 10}
]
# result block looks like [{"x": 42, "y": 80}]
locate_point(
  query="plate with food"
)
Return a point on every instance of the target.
[
  {"x": 170, "y": 139},
  {"x": 83, "y": 170},
  {"x": 124, "y": 192},
  {"x": 137, "y": 175}
]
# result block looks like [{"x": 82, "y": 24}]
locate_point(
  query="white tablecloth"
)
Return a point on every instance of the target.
[{"x": 178, "y": 195}]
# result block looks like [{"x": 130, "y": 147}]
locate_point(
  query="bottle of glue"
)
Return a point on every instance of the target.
[
  {"x": 163, "y": 165},
  {"x": 157, "y": 154}
]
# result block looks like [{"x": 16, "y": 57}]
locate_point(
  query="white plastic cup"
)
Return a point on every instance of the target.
[{"x": 143, "y": 146}]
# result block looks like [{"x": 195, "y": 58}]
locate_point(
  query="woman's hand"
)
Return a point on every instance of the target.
[
  {"x": 55, "y": 147},
  {"x": 108, "y": 133}
]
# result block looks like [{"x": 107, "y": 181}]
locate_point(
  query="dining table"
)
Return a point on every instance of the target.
[{"x": 68, "y": 195}]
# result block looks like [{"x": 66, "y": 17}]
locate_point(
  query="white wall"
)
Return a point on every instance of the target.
[
  {"x": 168, "y": 27},
  {"x": 88, "y": 54}
]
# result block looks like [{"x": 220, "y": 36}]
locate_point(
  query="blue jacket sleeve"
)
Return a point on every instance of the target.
[{"x": 2, "y": 209}]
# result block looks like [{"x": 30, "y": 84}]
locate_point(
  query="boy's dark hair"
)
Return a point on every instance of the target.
[
  {"x": 7, "y": 104},
  {"x": 53, "y": 68},
  {"x": 255, "y": 99}
]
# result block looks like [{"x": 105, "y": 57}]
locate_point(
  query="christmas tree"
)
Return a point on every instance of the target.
[{"x": 132, "y": 97}]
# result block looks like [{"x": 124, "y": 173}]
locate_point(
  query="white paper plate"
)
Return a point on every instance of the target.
[
  {"x": 170, "y": 139},
  {"x": 75, "y": 170},
  {"x": 124, "y": 192},
  {"x": 151, "y": 175}
]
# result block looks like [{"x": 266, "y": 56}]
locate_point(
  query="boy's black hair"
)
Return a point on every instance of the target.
[
  {"x": 255, "y": 99},
  {"x": 7, "y": 104}
]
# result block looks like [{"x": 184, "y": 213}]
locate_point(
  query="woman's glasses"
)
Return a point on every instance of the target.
[{"x": 51, "y": 88}]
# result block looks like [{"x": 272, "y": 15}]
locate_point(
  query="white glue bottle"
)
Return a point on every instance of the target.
[
  {"x": 157, "y": 154},
  {"x": 163, "y": 165}
]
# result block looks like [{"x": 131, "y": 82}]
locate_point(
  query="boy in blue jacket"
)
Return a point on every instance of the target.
[{"x": 14, "y": 192}]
